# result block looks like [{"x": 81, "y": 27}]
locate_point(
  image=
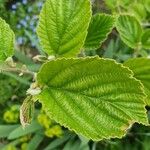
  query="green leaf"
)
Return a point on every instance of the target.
[
  {"x": 72, "y": 144},
  {"x": 13, "y": 143},
  {"x": 138, "y": 10},
  {"x": 7, "y": 40},
  {"x": 58, "y": 142},
  {"x": 33, "y": 127},
  {"x": 84, "y": 143},
  {"x": 111, "y": 4},
  {"x": 35, "y": 142},
  {"x": 114, "y": 4},
  {"x": 101, "y": 25},
  {"x": 141, "y": 70},
  {"x": 17, "y": 78},
  {"x": 91, "y": 96},
  {"x": 130, "y": 30},
  {"x": 146, "y": 3},
  {"x": 146, "y": 39},
  {"x": 6, "y": 129},
  {"x": 63, "y": 26}
]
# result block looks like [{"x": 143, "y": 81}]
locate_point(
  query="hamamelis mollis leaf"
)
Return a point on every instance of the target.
[
  {"x": 141, "y": 70},
  {"x": 7, "y": 40},
  {"x": 101, "y": 25},
  {"x": 130, "y": 30},
  {"x": 91, "y": 96},
  {"x": 63, "y": 26}
]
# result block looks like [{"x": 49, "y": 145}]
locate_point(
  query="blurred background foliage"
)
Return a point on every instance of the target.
[{"x": 44, "y": 133}]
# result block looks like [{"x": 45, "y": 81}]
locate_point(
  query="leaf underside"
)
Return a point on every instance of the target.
[
  {"x": 130, "y": 30},
  {"x": 101, "y": 25},
  {"x": 63, "y": 26},
  {"x": 141, "y": 70},
  {"x": 7, "y": 39},
  {"x": 91, "y": 96}
]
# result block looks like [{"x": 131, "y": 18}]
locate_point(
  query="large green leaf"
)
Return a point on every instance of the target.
[
  {"x": 63, "y": 26},
  {"x": 94, "y": 97},
  {"x": 100, "y": 26},
  {"x": 146, "y": 39},
  {"x": 141, "y": 69},
  {"x": 7, "y": 39},
  {"x": 130, "y": 30}
]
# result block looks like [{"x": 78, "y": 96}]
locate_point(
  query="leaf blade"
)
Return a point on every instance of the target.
[
  {"x": 75, "y": 86},
  {"x": 6, "y": 129},
  {"x": 35, "y": 141},
  {"x": 130, "y": 30},
  {"x": 7, "y": 40},
  {"x": 63, "y": 26},
  {"x": 101, "y": 25},
  {"x": 18, "y": 132},
  {"x": 141, "y": 70}
]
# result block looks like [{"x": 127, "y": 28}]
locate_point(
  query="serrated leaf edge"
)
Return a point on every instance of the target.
[
  {"x": 142, "y": 86},
  {"x": 83, "y": 41},
  {"x": 101, "y": 42},
  {"x": 13, "y": 36},
  {"x": 131, "y": 15},
  {"x": 125, "y": 128}
]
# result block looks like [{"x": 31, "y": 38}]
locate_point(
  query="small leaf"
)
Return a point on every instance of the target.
[
  {"x": 101, "y": 25},
  {"x": 138, "y": 10},
  {"x": 141, "y": 70},
  {"x": 7, "y": 40},
  {"x": 130, "y": 30},
  {"x": 26, "y": 111},
  {"x": 146, "y": 39},
  {"x": 146, "y": 3},
  {"x": 63, "y": 26},
  {"x": 92, "y": 96}
]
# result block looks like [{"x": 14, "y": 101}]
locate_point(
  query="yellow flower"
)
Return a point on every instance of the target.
[
  {"x": 11, "y": 147},
  {"x": 24, "y": 146},
  {"x": 44, "y": 120},
  {"x": 54, "y": 131},
  {"x": 51, "y": 130},
  {"x": 57, "y": 130},
  {"x": 10, "y": 117},
  {"x": 49, "y": 133},
  {"x": 24, "y": 138}
]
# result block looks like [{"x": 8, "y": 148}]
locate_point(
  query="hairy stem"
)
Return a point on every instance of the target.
[{"x": 7, "y": 68}]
